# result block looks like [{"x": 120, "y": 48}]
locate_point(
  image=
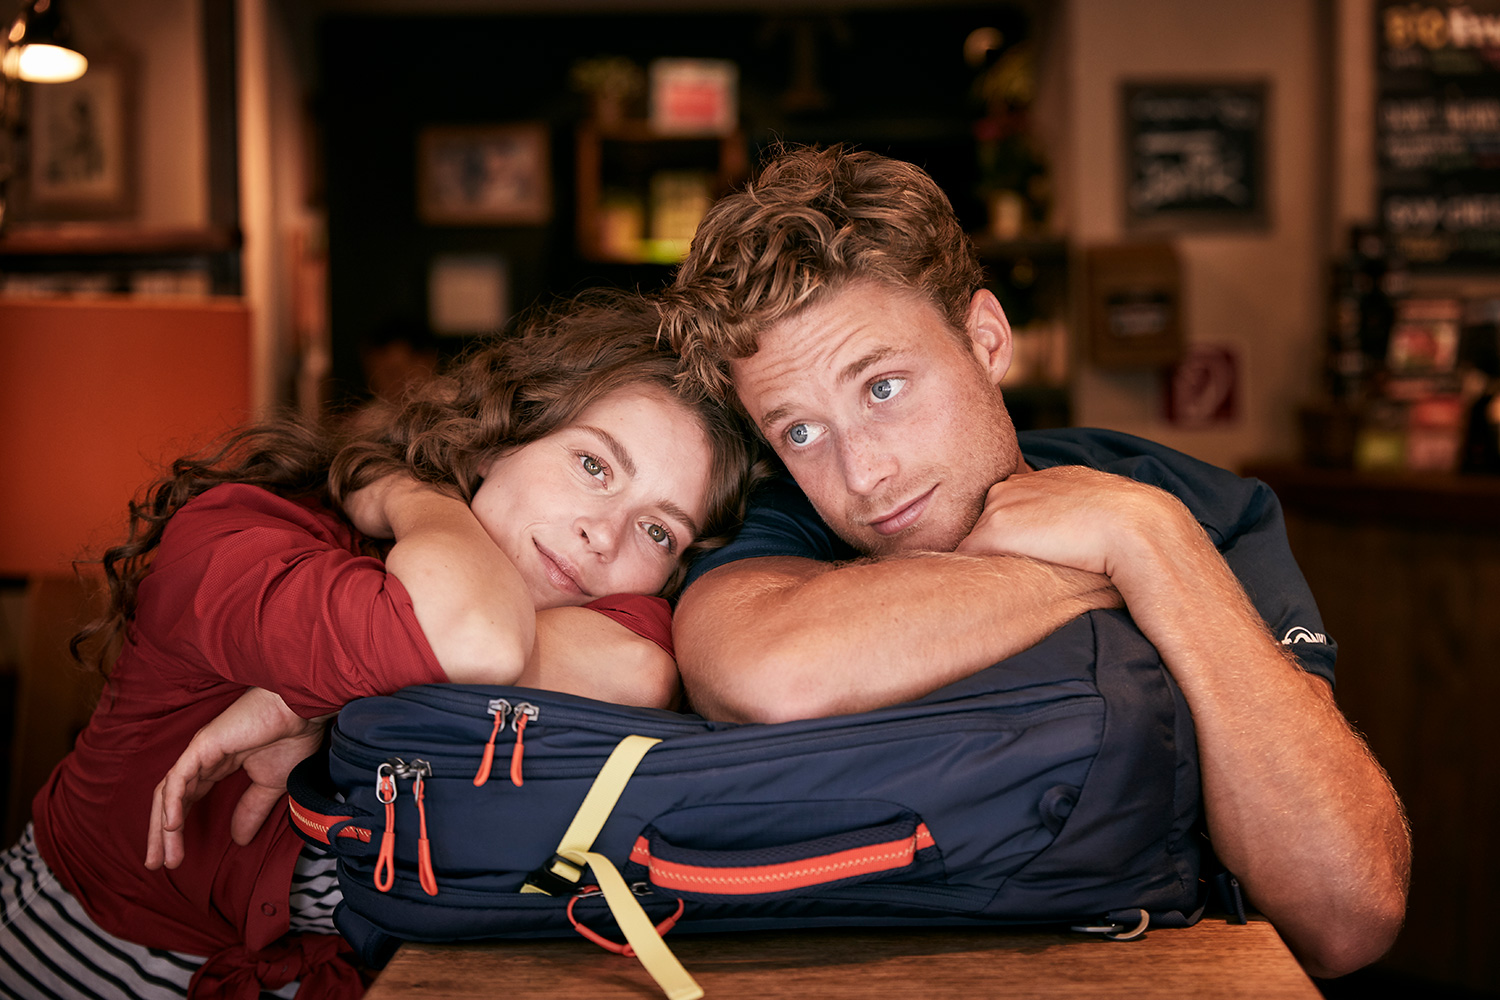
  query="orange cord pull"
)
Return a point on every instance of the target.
[
  {"x": 385, "y": 791},
  {"x": 483, "y": 774},
  {"x": 608, "y": 945},
  {"x": 424, "y": 849},
  {"x": 515, "y": 757}
]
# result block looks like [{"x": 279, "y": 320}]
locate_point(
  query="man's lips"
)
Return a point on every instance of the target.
[
  {"x": 559, "y": 571},
  {"x": 904, "y": 516}
]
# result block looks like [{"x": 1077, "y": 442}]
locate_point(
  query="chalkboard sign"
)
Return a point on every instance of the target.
[
  {"x": 1194, "y": 155},
  {"x": 1437, "y": 126}
]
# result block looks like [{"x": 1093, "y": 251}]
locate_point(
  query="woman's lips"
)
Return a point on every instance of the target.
[
  {"x": 558, "y": 572},
  {"x": 903, "y": 517}
]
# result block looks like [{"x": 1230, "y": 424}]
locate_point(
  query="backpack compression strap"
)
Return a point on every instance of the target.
[{"x": 562, "y": 873}]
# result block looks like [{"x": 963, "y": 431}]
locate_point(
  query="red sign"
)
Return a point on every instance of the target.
[{"x": 1202, "y": 389}]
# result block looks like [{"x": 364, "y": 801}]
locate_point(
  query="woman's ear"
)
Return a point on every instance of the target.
[
  {"x": 488, "y": 462},
  {"x": 989, "y": 332}
]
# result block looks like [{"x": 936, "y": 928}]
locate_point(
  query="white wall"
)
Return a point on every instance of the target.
[
  {"x": 1261, "y": 293},
  {"x": 164, "y": 40}
]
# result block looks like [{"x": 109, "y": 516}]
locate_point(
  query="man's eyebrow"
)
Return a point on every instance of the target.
[
  {"x": 774, "y": 416},
  {"x": 848, "y": 373},
  {"x": 623, "y": 458},
  {"x": 856, "y": 368}
]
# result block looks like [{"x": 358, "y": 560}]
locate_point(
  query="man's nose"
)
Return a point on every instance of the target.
[{"x": 867, "y": 461}]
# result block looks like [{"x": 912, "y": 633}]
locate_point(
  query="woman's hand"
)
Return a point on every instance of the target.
[
  {"x": 371, "y": 508},
  {"x": 259, "y": 733}
]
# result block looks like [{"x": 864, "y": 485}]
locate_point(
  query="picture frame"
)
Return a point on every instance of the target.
[
  {"x": 1195, "y": 155},
  {"x": 484, "y": 175},
  {"x": 1134, "y": 305},
  {"x": 81, "y": 146}
]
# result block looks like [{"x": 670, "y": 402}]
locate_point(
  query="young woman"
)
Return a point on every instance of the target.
[{"x": 487, "y": 536}]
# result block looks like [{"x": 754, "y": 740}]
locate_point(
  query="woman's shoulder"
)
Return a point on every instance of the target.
[{"x": 238, "y": 507}]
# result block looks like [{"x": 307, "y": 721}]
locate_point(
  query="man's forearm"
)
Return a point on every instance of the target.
[
  {"x": 775, "y": 639},
  {"x": 1296, "y": 805}
]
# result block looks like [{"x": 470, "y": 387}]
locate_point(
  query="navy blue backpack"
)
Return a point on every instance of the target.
[{"x": 1058, "y": 786}]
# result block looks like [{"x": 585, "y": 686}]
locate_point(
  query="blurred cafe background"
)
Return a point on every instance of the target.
[{"x": 1267, "y": 234}]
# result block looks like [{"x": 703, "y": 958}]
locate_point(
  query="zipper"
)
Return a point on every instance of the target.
[
  {"x": 499, "y": 708},
  {"x": 706, "y": 748},
  {"x": 525, "y": 713},
  {"x": 386, "y": 789}
]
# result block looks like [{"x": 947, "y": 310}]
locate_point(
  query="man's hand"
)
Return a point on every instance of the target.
[
  {"x": 1070, "y": 516},
  {"x": 1296, "y": 805},
  {"x": 259, "y": 733}
]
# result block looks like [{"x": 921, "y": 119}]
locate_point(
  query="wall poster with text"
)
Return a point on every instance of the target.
[
  {"x": 1437, "y": 126},
  {"x": 1195, "y": 155}
]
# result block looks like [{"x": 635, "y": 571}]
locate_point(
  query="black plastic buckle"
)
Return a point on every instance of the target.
[{"x": 545, "y": 880}]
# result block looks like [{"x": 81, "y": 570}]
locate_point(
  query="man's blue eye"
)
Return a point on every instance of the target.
[
  {"x": 802, "y": 435},
  {"x": 886, "y": 388}
]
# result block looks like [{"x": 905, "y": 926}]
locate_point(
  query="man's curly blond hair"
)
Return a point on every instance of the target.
[{"x": 812, "y": 221}]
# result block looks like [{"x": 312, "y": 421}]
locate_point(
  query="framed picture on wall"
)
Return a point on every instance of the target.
[
  {"x": 484, "y": 175},
  {"x": 81, "y": 145},
  {"x": 1195, "y": 155}
]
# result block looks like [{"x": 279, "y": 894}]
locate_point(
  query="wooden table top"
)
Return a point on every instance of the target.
[{"x": 1211, "y": 959}]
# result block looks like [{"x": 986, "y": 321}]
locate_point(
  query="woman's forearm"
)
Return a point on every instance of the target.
[
  {"x": 471, "y": 602},
  {"x": 580, "y": 651}
]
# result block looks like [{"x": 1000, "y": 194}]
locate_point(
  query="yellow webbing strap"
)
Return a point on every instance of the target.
[
  {"x": 653, "y": 952},
  {"x": 574, "y": 850}
]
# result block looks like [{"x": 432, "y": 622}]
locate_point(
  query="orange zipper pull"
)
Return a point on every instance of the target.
[
  {"x": 385, "y": 791},
  {"x": 424, "y": 850},
  {"x": 525, "y": 712},
  {"x": 499, "y": 708}
]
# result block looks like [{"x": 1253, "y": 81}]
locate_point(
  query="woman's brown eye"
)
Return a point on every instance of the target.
[
  {"x": 592, "y": 466},
  {"x": 657, "y": 534}
]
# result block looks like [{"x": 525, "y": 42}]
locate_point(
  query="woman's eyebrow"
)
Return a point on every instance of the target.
[
  {"x": 672, "y": 510},
  {"x": 618, "y": 451},
  {"x": 623, "y": 459}
]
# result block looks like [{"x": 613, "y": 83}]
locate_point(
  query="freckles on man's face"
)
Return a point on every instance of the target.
[{"x": 892, "y": 429}]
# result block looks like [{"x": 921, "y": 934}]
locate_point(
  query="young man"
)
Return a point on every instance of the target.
[{"x": 838, "y": 300}]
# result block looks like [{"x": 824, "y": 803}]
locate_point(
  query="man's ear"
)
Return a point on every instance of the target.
[{"x": 989, "y": 332}]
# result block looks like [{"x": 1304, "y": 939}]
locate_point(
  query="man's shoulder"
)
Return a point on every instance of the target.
[
  {"x": 779, "y": 521},
  {"x": 1223, "y": 502}
]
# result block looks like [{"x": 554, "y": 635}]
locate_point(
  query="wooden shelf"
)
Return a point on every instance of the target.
[
  {"x": 118, "y": 251},
  {"x": 104, "y": 240},
  {"x": 1410, "y": 499},
  {"x": 624, "y": 155}
]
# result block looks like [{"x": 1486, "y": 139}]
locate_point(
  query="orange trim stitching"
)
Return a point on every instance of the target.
[
  {"x": 305, "y": 819},
  {"x": 807, "y": 872},
  {"x": 865, "y": 863}
]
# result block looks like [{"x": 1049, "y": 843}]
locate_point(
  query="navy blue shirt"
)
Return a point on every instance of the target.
[{"x": 1241, "y": 516}]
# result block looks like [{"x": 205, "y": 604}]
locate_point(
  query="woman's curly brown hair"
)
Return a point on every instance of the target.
[{"x": 505, "y": 393}]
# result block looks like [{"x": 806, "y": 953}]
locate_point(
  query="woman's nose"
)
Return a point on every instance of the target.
[{"x": 601, "y": 531}]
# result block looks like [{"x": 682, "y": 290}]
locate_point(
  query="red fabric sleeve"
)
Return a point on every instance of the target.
[
  {"x": 648, "y": 617},
  {"x": 269, "y": 593}
]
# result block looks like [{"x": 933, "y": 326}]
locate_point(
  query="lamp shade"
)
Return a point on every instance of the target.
[{"x": 41, "y": 45}]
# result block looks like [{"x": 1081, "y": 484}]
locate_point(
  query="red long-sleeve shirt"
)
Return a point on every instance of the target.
[{"x": 246, "y": 590}]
